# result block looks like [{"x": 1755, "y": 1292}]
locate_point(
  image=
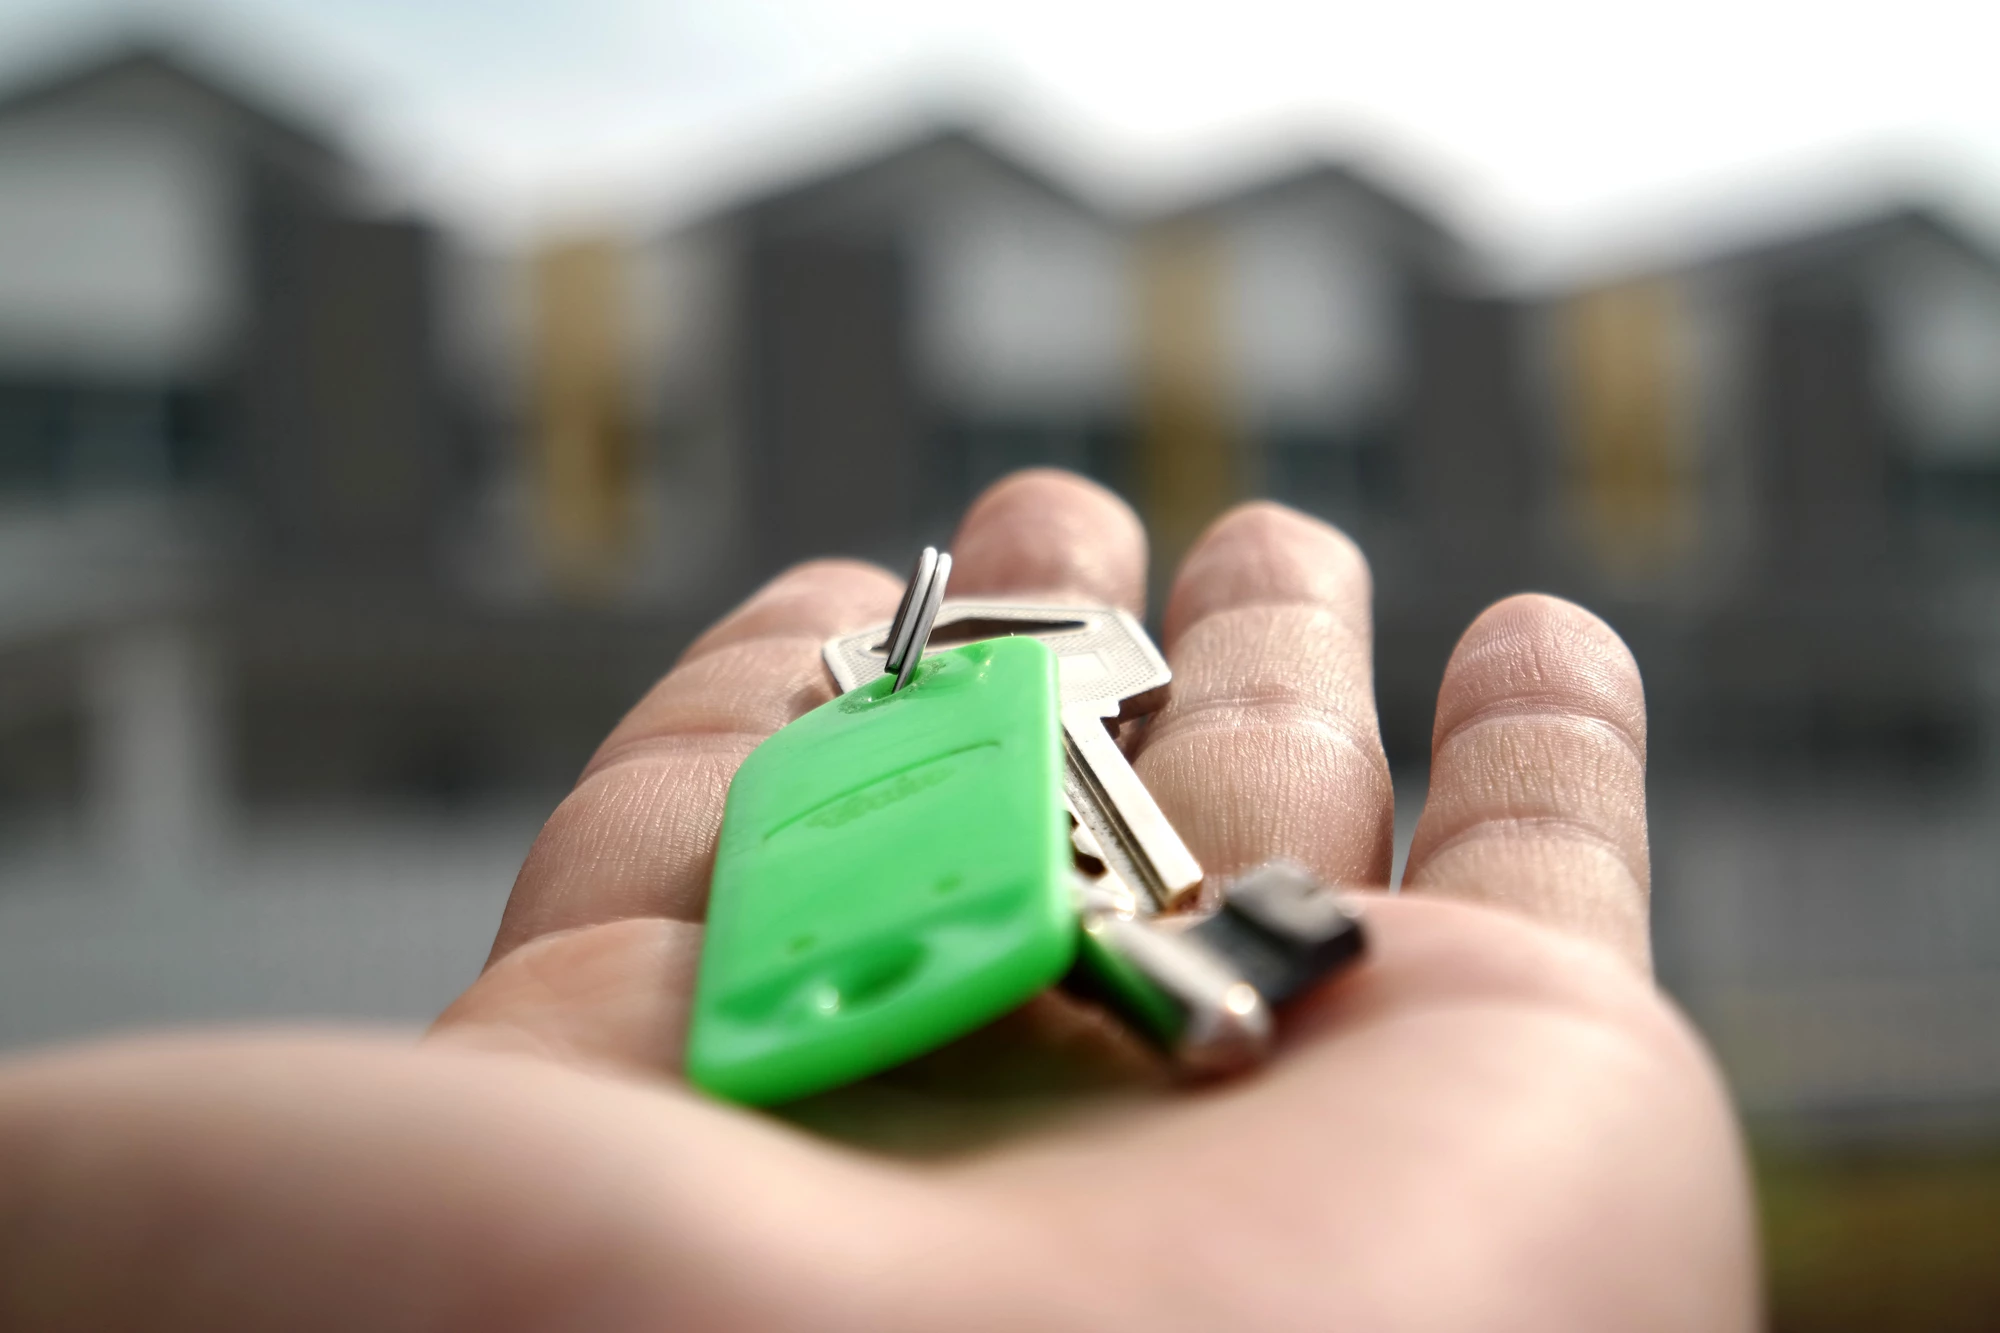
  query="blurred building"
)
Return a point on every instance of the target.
[
  {"x": 154, "y": 348},
  {"x": 1771, "y": 468},
  {"x": 304, "y": 505},
  {"x": 192, "y": 295},
  {"x": 246, "y": 465},
  {"x": 1796, "y": 441},
  {"x": 1774, "y": 472},
  {"x": 1291, "y": 326},
  {"x": 854, "y": 355},
  {"x": 1323, "y": 338}
]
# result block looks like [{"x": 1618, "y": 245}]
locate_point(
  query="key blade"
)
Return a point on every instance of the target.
[
  {"x": 1136, "y": 840},
  {"x": 1108, "y": 668}
]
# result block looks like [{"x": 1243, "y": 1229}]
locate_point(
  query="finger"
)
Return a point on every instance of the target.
[
  {"x": 1269, "y": 745},
  {"x": 1538, "y": 775},
  {"x": 641, "y": 824},
  {"x": 597, "y": 947},
  {"x": 637, "y": 836},
  {"x": 595, "y": 955},
  {"x": 1050, "y": 535}
]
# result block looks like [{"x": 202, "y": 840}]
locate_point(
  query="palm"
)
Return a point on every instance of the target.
[{"x": 1495, "y": 1123}]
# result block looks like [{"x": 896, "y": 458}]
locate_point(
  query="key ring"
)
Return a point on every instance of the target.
[{"x": 910, "y": 631}]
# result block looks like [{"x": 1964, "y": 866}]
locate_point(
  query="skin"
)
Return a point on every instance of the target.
[{"x": 1496, "y": 1123}]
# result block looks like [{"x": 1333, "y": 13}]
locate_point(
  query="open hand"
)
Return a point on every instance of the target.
[{"x": 1494, "y": 1123}]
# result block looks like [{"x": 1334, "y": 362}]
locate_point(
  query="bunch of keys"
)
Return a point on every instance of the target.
[{"x": 959, "y": 831}]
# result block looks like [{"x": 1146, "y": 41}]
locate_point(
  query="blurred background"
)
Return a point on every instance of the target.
[{"x": 387, "y": 392}]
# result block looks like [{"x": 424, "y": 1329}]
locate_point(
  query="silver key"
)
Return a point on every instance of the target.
[
  {"x": 1201, "y": 985},
  {"x": 1109, "y": 670}
]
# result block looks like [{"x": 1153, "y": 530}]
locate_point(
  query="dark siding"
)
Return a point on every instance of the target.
[
  {"x": 831, "y": 401},
  {"x": 1470, "y": 466},
  {"x": 343, "y": 435},
  {"x": 1827, "y": 456}
]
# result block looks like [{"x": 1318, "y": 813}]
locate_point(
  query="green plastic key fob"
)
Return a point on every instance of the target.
[{"x": 892, "y": 872}]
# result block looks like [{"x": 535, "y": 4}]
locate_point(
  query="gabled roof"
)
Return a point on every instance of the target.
[
  {"x": 187, "y": 75},
  {"x": 1856, "y": 235},
  {"x": 1314, "y": 174},
  {"x": 1795, "y": 245},
  {"x": 906, "y": 153},
  {"x": 1420, "y": 231}
]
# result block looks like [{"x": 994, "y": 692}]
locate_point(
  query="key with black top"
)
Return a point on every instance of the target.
[
  {"x": 1200, "y": 978},
  {"x": 1203, "y": 987}
]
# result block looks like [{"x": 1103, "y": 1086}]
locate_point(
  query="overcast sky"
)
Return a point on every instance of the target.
[{"x": 1549, "y": 127}]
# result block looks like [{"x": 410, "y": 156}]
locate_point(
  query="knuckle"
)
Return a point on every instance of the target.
[
  {"x": 1271, "y": 708},
  {"x": 1513, "y": 845},
  {"x": 1263, "y": 554}
]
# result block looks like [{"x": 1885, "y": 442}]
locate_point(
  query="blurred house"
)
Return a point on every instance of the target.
[
  {"x": 854, "y": 355},
  {"x": 1322, "y": 338},
  {"x": 1774, "y": 472},
  {"x": 1797, "y": 442},
  {"x": 848, "y": 359},
  {"x": 140, "y": 246},
  {"x": 240, "y": 487},
  {"x": 1288, "y": 325},
  {"x": 192, "y": 295},
  {"x": 1771, "y": 468}
]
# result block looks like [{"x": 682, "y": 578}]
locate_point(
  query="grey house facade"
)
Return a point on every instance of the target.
[
  {"x": 236, "y": 480},
  {"x": 192, "y": 295},
  {"x": 854, "y": 355}
]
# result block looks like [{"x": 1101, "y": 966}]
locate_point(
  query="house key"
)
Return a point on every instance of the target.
[
  {"x": 891, "y": 870},
  {"x": 1108, "y": 669}
]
